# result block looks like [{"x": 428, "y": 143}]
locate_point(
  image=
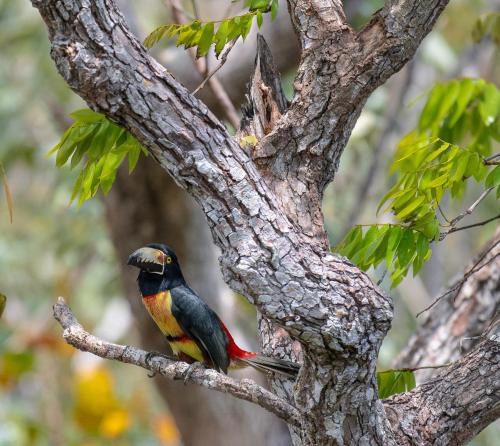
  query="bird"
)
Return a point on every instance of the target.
[{"x": 194, "y": 331}]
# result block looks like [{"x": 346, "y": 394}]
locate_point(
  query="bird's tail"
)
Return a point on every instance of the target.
[{"x": 274, "y": 365}]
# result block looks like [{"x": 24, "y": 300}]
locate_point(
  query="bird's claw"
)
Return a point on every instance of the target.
[
  {"x": 149, "y": 357},
  {"x": 189, "y": 371}
]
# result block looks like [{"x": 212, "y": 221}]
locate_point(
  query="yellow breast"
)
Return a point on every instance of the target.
[{"x": 159, "y": 307}]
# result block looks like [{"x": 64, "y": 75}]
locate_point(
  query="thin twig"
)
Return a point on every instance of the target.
[
  {"x": 490, "y": 160},
  {"x": 468, "y": 211},
  {"x": 443, "y": 214},
  {"x": 481, "y": 223},
  {"x": 474, "y": 269},
  {"x": 414, "y": 369},
  {"x": 201, "y": 66},
  {"x": 195, "y": 9},
  {"x": 223, "y": 59},
  {"x": 245, "y": 389}
]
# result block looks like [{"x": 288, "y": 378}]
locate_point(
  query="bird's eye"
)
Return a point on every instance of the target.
[{"x": 168, "y": 259}]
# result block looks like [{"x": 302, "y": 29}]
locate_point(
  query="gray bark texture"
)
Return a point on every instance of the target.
[{"x": 263, "y": 206}]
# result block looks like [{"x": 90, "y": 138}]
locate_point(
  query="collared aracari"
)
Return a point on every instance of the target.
[{"x": 193, "y": 330}]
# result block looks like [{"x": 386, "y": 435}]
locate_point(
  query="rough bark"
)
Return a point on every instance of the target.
[
  {"x": 148, "y": 206},
  {"x": 454, "y": 406},
  {"x": 264, "y": 206},
  {"x": 455, "y": 325}
]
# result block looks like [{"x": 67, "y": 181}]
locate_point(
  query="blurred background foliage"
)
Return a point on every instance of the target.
[{"x": 52, "y": 395}]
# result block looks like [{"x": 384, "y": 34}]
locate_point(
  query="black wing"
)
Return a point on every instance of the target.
[{"x": 201, "y": 324}]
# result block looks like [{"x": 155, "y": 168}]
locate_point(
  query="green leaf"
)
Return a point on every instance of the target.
[
  {"x": 489, "y": 108},
  {"x": 493, "y": 178},
  {"x": 460, "y": 166},
  {"x": 350, "y": 241},
  {"x": 274, "y": 9},
  {"x": 439, "y": 181},
  {"x": 133, "y": 156},
  {"x": 246, "y": 25},
  {"x": 395, "y": 235},
  {"x": 259, "y": 19},
  {"x": 395, "y": 381},
  {"x": 77, "y": 186},
  {"x": 431, "y": 108},
  {"x": 104, "y": 146},
  {"x": 410, "y": 208},
  {"x": 435, "y": 153},
  {"x": 422, "y": 248},
  {"x": 83, "y": 146},
  {"x": 406, "y": 248},
  {"x": 159, "y": 33},
  {"x": 189, "y": 34},
  {"x": 88, "y": 116},
  {"x": 206, "y": 39},
  {"x": 220, "y": 38},
  {"x": 467, "y": 89}
]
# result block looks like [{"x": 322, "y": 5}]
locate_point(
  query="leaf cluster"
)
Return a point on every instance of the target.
[
  {"x": 100, "y": 146},
  {"x": 398, "y": 246},
  {"x": 203, "y": 35},
  {"x": 428, "y": 163}
]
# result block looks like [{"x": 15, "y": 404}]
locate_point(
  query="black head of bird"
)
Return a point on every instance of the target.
[{"x": 159, "y": 268}]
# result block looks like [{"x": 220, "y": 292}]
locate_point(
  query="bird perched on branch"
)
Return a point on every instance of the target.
[{"x": 193, "y": 330}]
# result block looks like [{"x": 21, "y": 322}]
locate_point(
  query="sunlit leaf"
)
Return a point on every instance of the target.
[
  {"x": 394, "y": 381},
  {"x": 102, "y": 146}
]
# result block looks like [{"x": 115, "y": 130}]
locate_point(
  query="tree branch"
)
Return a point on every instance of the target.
[
  {"x": 462, "y": 215},
  {"x": 455, "y": 326},
  {"x": 339, "y": 69},
  {"x": 75, "y": 335},
  {"x": 454, "y": 406}
]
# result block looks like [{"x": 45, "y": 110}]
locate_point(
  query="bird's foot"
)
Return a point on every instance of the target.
[
  {"x": 192, "y": 367},
  {"x": 149, "y": 357}
]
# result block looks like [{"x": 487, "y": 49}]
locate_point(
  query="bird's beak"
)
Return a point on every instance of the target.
[{"x": 148, "y": 259}]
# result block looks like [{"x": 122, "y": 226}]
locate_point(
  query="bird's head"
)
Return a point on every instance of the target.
[{"x": 157, "y": 264}]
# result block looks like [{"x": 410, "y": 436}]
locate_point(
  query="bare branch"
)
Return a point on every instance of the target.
[
  {"x": 209, "y": 76},
  {"x": 454, "y": 406},
  {"x": 474, "y": 225},
  {"x": 454, "y": 327},
  {"x": 474, "y": 269},
  {"x": 339, "y": 68},
  {"x": 492, "y": 160},
  {"x": 245, "y": 389},
  {"x": 468, "y": 211}
]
